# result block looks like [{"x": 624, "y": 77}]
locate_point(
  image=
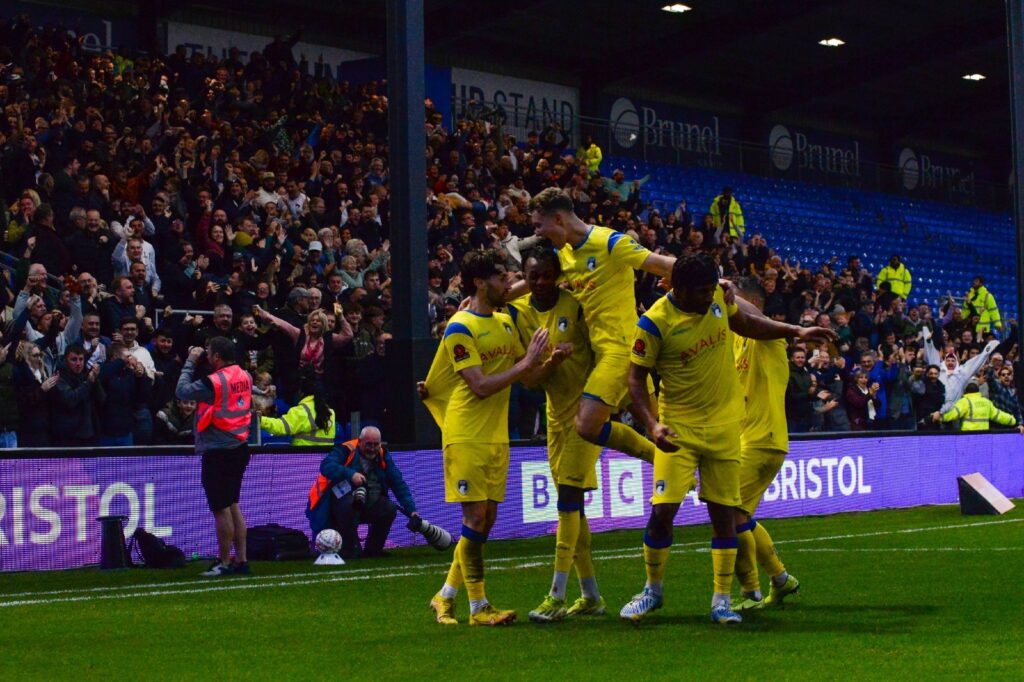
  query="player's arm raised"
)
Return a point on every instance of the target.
[
  {"x": 658, "y": 264},
  {"x": 750, "y": 322},
  {"x": 486, "y": 385},
  {"x": 641, "y": 409}
]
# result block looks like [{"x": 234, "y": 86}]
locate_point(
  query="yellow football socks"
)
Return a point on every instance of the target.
[
  {"x": 723, "y": 560},
  {"x": 582, "y": 561},
  {"x": 766, "y": 555},
  {"x": 618, "y": 436},
  {"x": 746, "y": 559},
  {"x": 567, "y": 535},
  {"x": 470, "y": 553}
]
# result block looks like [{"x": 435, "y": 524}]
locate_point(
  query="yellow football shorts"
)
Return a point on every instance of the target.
[
  {"x": 474, "y": 472},
  {"x": 758, "y": 467},
  {"x": 572, "y": 459},
  {"x": 608, "y": 381},
  {"x": 714, "y": 451}
]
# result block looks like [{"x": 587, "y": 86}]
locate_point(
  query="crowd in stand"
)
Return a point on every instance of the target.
[{"x": 152, "y": 203}]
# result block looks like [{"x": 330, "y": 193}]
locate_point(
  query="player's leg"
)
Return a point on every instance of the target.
[
  {"x": 782, "y": 583},
  {"x": 758, "y": 468},
  {"x": 720, "y": 490},
  {"x": 673, "y": 479},
  {"x": 570, "y": 508},
  {"x": 590, "y": 603},
  {"x": 594, "y": 425},
  {"x": 746, "y": 564},
  {"x": 606, "y": 389}
]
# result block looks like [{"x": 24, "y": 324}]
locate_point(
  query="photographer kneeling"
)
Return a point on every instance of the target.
[{"x": 353, "y": 488}]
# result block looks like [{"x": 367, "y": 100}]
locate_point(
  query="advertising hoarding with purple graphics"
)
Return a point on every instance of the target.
[{"x": 48, "y": 507}]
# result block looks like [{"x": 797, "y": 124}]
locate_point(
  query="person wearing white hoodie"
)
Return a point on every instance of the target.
[{"x": 952, "y": 374}]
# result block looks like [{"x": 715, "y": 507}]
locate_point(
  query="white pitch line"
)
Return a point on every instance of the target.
[
  {"x": 257, "y": 582},
  {"x": 838, "y": 550}
]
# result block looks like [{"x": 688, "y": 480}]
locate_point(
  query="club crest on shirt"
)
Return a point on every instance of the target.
[
  {"x": 563, "y": 324},
  {"x": 716, "y": 310},
  {"x": 640, "y": 348},
  {"x": 659, "y": 488},
  {"x": 463, "y": 487},
  {"x": 460, "y": 353},
  {"x": 592, "y": 263}
]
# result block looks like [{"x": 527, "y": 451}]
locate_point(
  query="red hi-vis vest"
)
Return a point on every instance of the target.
[
  {"x": 320, "y": 488},
  {"x": 232, "y": 396}
]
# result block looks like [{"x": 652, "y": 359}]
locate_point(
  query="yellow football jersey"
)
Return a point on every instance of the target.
[
  {"x": 490, "y": 342},
  {"x": 565, "y": 324},
  {"x": 694, "y": 358},
  {"x": 600, "y": 273},
  {"x": 763, "y": 370}
]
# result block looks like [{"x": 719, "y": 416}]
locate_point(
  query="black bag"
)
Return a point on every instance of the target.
[
  {"x": 155, "y": 552},
  {"x": 271, "y": 542}
]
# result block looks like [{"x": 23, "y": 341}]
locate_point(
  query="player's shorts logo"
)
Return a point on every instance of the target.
[
  {"x": 640, "y": 348},
  {"x": 659, "y": 488},
  {"x": 716, "y": 310},
  {"x": 460, "y": 353},
  {"x": 592, "y": 263},
  {"x": 563, "y": 324},
  {"x": 463, "y": 487}
]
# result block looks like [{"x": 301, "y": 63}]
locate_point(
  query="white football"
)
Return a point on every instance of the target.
[{"x": 328, "y": 540}]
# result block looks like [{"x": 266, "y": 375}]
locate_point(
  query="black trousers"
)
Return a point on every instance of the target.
[{"x": 379, "y": 517}]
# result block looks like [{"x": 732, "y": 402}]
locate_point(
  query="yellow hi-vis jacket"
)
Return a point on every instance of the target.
[
  {"x": 899, "y": 278},
  {"x": 984, "y": 304},
  {"x": 976, "y": 411},
  {"x": 736, "y": 226},
  {"x": 300, "y": 424}
]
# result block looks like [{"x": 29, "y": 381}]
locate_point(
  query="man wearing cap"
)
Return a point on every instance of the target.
[
  {"x": 314, "y": 261},
  {"x": 267, "y": 193}
]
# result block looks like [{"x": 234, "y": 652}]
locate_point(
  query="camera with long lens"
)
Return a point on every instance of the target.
[
  {"x": 359, "y": 498},
  {"x": 436, "y": 537}
]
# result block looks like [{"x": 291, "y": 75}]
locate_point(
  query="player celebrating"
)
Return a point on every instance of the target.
[
  {"x": 685, "y": 337},
  {"x": 763, "y": 370},
  {"x": 598, "y": 264},
  {"x": 468, "y": 388},
  {"x": 572, "y": 459}
]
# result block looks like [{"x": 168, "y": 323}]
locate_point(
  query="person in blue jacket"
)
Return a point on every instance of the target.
[{"x": 352, "y": 488}]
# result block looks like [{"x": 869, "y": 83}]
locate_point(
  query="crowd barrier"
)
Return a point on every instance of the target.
[{"x": 49, "y": 501}]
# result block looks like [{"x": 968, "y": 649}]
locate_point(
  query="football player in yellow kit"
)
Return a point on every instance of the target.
[
  {"x": 572, "y": 459},
  {"x": 598, "y": 265},
  {"x": 467, "y": 391},
  {"x": 763, "y": 369},
  {"x": 685, "y": 337}
]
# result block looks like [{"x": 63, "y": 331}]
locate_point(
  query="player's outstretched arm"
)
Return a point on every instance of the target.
[
  {"x": 486, "y": 385},
  {"x": 658, "y": 264},
  {"x": 643, "y": 412},
  {"x": 750, "y": 322}
]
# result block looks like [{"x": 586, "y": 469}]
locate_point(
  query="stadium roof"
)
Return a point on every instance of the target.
[{"x": 899, "y": 74}]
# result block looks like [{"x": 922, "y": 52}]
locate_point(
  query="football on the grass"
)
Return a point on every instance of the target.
[{"x": 328, "y": 540}]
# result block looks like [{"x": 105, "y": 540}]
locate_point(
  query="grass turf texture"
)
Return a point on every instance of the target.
[{"x": 878, "y": 600}]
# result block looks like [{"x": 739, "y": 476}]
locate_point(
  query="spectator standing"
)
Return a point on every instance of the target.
[
  {"x": 898, "y": 277},
  {"x": 311, "y": 421},
  {"x": 901, "y": 404},
  {"x": 174, "y": 422},
  {"x": 76, "y": 401},
  {"x": 361, "y": 464},
  {"x": 862, "y": 402},
  {"x": 221, "y": 436},
  {"x": 800, "y": 392},
  {"x": 1003, "y": 392},
  {"x": 33, "y": 385},
  {"x": 727, "y": 215},
  {"x": 125, "y": 386},
  {"x": 975, "y": 412},
  {"x": 979, "y": 301},
  {"x": 9, "y": 397},
  {"x": 929, "y": 397},
  {"x": 590, "y": 155}
]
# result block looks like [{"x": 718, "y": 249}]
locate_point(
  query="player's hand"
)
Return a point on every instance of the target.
[
  {"x": 358, "y": 479},
  {"x": 561, "y": 352},
  {"x": 421, "y": 390},
  {"x": 817, "y": 334},
  {"x": 538, "y": 348},
  {"x": 661, "y": 434},
  {"x": 728, "y": 290}
]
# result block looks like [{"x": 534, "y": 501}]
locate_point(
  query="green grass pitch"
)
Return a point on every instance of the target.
[{"x": 910, "y": 594}]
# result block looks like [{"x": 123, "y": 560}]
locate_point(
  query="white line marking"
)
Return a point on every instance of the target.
[
  {"x": 839, "y": 550},
  {"x": 257, "y": 582}
]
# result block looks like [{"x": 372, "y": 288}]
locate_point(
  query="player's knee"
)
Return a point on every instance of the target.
[
  {"x": 571, "y": 495},
  {"x": 659, "y": 524},
  {"x": 588, "y": 429}
]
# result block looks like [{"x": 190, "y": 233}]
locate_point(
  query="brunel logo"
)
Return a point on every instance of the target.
[
  {"x": 780, "y": 146},
  {"x": 625, "y": 122},
  {"x": 910, "y": 168},
  {"x": 917, "y": 170}
]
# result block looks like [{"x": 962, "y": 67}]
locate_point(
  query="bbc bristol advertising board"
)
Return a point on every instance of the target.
[{"x": 48, "y": 507}]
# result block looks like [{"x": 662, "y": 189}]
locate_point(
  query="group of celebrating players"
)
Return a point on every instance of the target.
[{"x": 723, "y": 370}]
